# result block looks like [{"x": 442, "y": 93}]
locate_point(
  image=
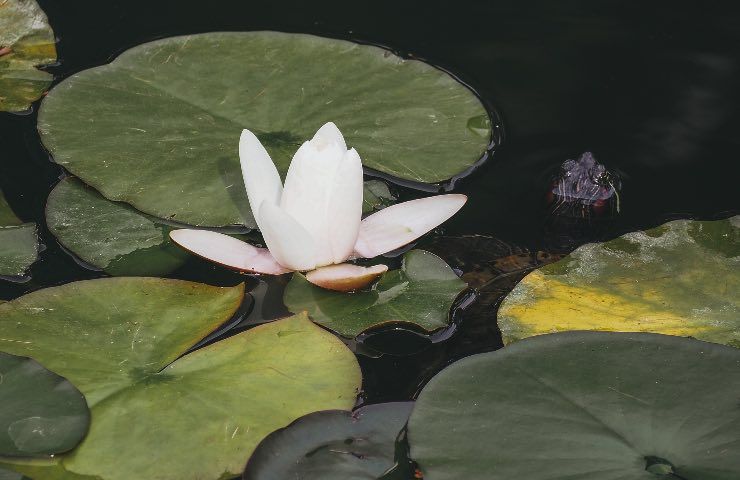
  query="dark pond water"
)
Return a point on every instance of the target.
[{"x": 651, "y": 88}]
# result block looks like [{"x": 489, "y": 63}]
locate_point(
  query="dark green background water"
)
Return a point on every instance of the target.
[{"x": 652, "y": 88}]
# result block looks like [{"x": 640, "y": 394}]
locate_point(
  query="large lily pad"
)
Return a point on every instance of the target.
[
  {"x": 682, "y": 278},
  {"x": 111, "y": 236},
  {"x": 332, "y": 445},
  {"x": 42, "y": 413},
  {"x": 159, "y": 127},
  {"x": 19, "y": 246},
  {"x": 421, "y": 293},
  {"x": 196, "y": 418},
  {"x": 26, "y": 41},
  {"x": 583, "y": 405}
]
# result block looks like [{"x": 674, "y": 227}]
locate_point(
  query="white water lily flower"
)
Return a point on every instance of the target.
[{"x": 314, "y": 221}]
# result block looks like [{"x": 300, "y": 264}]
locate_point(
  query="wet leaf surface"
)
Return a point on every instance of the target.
[
  {"x": 421, "y": 293},
  {"x": 159, "y": 416},
  {"x": 681, "y": 278},
  {"x": 583, "y": 405},
  {"x": 42, "y": 413},
  {"x": 332, "y": 445},
  {"x": 107, "y": 125},
  {"x": 19, "y": 244},
  {"x": 111, "y": 236},
  {"x": 26, "y": 41}
]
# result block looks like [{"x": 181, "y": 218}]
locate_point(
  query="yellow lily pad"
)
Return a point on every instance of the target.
[
  {"x": 681, "y": 278},
  {"x": 26, "y": 41}
]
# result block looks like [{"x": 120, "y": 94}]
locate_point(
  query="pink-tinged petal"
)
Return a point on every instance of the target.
[
  {"x": 261, "y": 178},
  {"x": 399, "y": 224},
  {"x": 345, "y": 277},
  {"x": 329, "y": 133},
  {"x": 227, "y": 251},
  {"x": 344, "y": 211},
  {"x": 290, "y": 243}
]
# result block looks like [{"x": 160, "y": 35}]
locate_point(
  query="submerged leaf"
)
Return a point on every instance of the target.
[
  {"x": 172, "y": 111},
  {"x": 156, "y": 413},
  {"x": 26, "y": 41},
  {"x": 583, "y": 405},
  {"x": 682, "y": 278},
  {"x": 421, "y": 293},
  {"x": 332, "y": 445},
  {"x": 42, "y": 413}
]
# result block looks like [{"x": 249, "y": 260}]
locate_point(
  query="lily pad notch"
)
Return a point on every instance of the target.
[
  {"x": 175, "y": 416},
  {"x": 19, "y": 244}
]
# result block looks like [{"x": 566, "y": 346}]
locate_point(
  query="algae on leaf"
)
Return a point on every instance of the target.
[
  {"x": 159, "y": 126},
  {"x": 421, "y": 293},
  {"x": 682, "y": 278},
  {"x": 157, "y": 413},
  {"x": 26, "y": 41}
]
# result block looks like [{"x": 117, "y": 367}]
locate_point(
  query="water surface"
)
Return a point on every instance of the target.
[{"x": 651, "y": 88}]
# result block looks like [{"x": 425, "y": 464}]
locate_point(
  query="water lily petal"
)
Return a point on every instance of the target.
[
  {"x": 329, "y": 133},
  {"x": 344, "y": 210},
  {"x": 261, "y": 178},
  {"x": 290, "y": 243},
  {"x": 399, "y": 224},
  {"x": 308, "y": 188},
  {"x": 227, "y": 251},
  {"x": 345, "y": 277}
]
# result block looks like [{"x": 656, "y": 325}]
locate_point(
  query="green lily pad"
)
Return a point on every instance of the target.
[
  {"x": 19, "y": 245},
  {"x": 157, "y": 414},
  {"x": 376, "y": 196},
  {"x": 583, "y": 405},
  {"x": 421, "y": 292},
  {"x": 109, "y": 235},
  {"x": 26, "y": 41},
  {"x": 332, "y": 445},
  {"x": 9, "y": 475},
  {"x": 42, "y": 413},
  {"x": 38, "y": 469},
  {"x": 682, "y": 278},
  {"x": 159, "y": 127}
]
